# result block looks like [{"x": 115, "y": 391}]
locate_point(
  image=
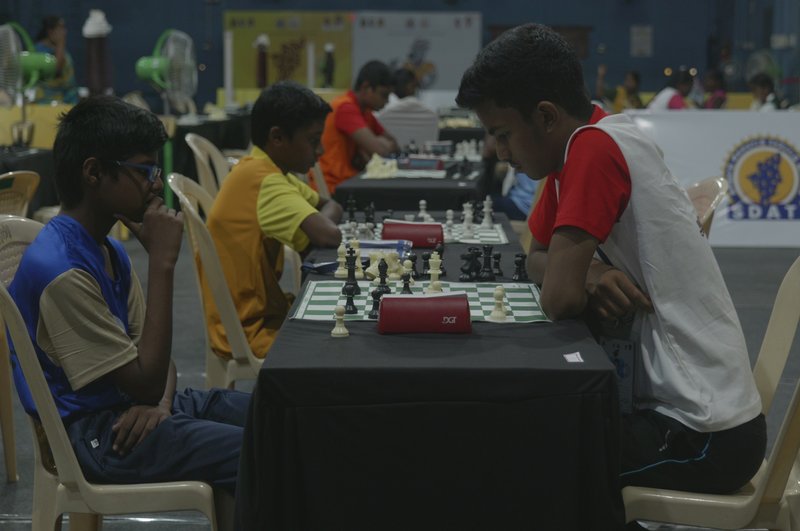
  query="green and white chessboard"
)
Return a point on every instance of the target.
[
  {"x": 480, "y": 235},
  {"x": 319, "y": 299}
]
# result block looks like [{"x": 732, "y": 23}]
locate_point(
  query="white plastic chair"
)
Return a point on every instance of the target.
[
  {"x": 59, "y": 485},
  {"x": 212, "y": 166},
  {"x": 292, "y": 276},
  {"x": 771, "y": 499},
  {"x": 16, "y": 190},
  {"x": 408, "y": 119},
  {"x": 706, "y": 195},
  {"x": 243, "y": 365}
]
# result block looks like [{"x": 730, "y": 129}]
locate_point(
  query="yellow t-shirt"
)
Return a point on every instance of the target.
[{"x": 258, "y": 209}]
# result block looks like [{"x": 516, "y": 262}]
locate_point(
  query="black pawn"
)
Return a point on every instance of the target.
[
  {"x": 351, "y": 208},
  {"x": 383, "y": 268},
  {"x": 520, "y": 273},
  {"x": 406, "y": 284},
  {"x": 496, "y": 268},
  {"x": 486, "y": 274},
  {"x": 414, "y": 272},
  {"x": 426, "y": 266},
  {"x": 349, "y": 305},
  {"x": 376, "y": 303},
  {"x": 369, "y": 213}
]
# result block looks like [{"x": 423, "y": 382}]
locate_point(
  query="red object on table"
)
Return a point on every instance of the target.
[
  {"x": 444, "y": 313},
  {"x": 423, "y": 235}
]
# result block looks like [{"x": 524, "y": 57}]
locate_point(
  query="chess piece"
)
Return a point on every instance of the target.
[
  {"x": 339, "y": 329},
  {"x": 448, "y": 231},
  {"x": 369, "y": 213},
  {"x": 467, "y": 232},
  {"x": 407, "y": 268},
  {"x": 349, "y": 305},
  {"x": 395, "y": 268},
  {"x": 371, "y": 272},
  {"x": 423, "y": 209},
  {"x": 448, "y": 215},
  {"x": 376, "y": 303},
  {"x": 351, "y": 272},
  {"x": 499, "y": 311},
  {"x": 355, "y": 244},
  {"x": 520, "y": 273},
  {"x": 383, "y": 267},
  {"x": 406, "y": 284},
  {"x": 440, "y": 249},
  {"x": 496, "y": 266},
  {"x": 487, "y": 222},
  {"x": 414, "y": 272},
  {"x": 435, "y": 287},
  {"x": 486, "y": 274},
  {"x": 426, "y": 267},
  {"x": 341, "y": 255}
]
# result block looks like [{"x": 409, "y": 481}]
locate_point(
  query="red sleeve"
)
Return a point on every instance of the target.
[
  {"x": 348, "y": 118},
  {"x": 594, "y": 188},
  {"x": 374, "y": 124},
  {"x": 543, "y": 216}
]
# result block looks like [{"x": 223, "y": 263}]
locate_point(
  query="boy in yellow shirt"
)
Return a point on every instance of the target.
[{"x": 262, "y": 206}]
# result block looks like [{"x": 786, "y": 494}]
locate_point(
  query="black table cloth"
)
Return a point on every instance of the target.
[
  {"x": 402, "y": 193},
  {"x": 491, "y": 430}
]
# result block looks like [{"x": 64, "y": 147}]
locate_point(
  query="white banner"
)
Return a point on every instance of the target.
[
  {"x": 439, "y": 47},
  {"x": 758, "y": 153}
]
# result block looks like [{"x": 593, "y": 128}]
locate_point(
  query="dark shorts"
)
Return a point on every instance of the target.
[{"x": 658, "y": 451}]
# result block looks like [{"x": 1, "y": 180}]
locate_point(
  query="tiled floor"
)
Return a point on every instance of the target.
[{"x": 752, "y": 275}]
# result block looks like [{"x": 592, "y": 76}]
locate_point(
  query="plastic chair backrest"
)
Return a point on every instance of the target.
[
  {"x": 16, "y": 190},
  {"x": 775, "y": 348},
  {"x": 212, "y": 167},
  {"x": 292, "y": 275},
  {"x": 204, "y": 248},
  {"x": 706, "y": 195}
]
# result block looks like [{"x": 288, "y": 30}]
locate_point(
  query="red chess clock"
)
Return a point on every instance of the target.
[
  {"x": 422, "y": 235},
  {"x": 445, "y": 313}
]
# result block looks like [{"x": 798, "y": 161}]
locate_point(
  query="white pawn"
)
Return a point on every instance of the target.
[
  {"x": 407, "y": 265},
  {"x": 423, "y": 209},
  {"x": 341, "y": 254},
  {"x": 435, "y": 287},
  {"x": 448, "y": 215},
  {"x": 339, "y": 329},
  {"x": 448, "y": 231},
  {"x": 487, "y": 213},
  {"x": 499, "y": 311}
]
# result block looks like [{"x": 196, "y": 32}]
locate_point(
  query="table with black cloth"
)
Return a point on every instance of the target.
[
  {"x": 489, "y": 430},
  {"x": 32, "y": 159},
  {"x": 230, "y": 133},
  {"x": 404, "y": 193}
]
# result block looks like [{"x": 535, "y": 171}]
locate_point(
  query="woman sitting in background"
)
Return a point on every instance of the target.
[{"x": 52, "y": 39}]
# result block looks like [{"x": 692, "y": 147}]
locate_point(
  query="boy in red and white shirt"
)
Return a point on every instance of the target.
[{"x": 615, "y": 237}]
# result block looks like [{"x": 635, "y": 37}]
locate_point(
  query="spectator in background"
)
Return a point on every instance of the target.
[
  {"x": 714, "y": 86},
  {"x": 406, "y": 118},
  {"x": 625, "y": 96},
  {"x": 52, "y": 39},
  {"x": 672, "y": 97},
  {"x": 763, "y": 89},
  {"x": 352, "y": 133}
]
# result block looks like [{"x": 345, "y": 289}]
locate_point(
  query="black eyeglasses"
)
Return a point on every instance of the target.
[{"x": 151, "y": 171}]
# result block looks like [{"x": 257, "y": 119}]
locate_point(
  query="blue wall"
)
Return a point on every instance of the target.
[{"x": 686, "y": 32}]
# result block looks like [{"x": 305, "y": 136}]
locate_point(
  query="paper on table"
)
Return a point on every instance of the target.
[{"x": 574, "y": 357}]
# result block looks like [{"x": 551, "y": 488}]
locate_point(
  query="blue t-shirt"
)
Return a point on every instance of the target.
[
  {"x": 522, "y": 192},
  {"x": 63, "y": 244}
]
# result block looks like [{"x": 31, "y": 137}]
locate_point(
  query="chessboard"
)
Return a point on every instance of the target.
[
  {"x": 495, "y": 235},
  {"x": 319, "y": 299}
]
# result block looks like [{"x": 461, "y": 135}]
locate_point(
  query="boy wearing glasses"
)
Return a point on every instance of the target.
[
  {"x": 262, "y": 206},
  {"x": 104, "y": 352}
]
